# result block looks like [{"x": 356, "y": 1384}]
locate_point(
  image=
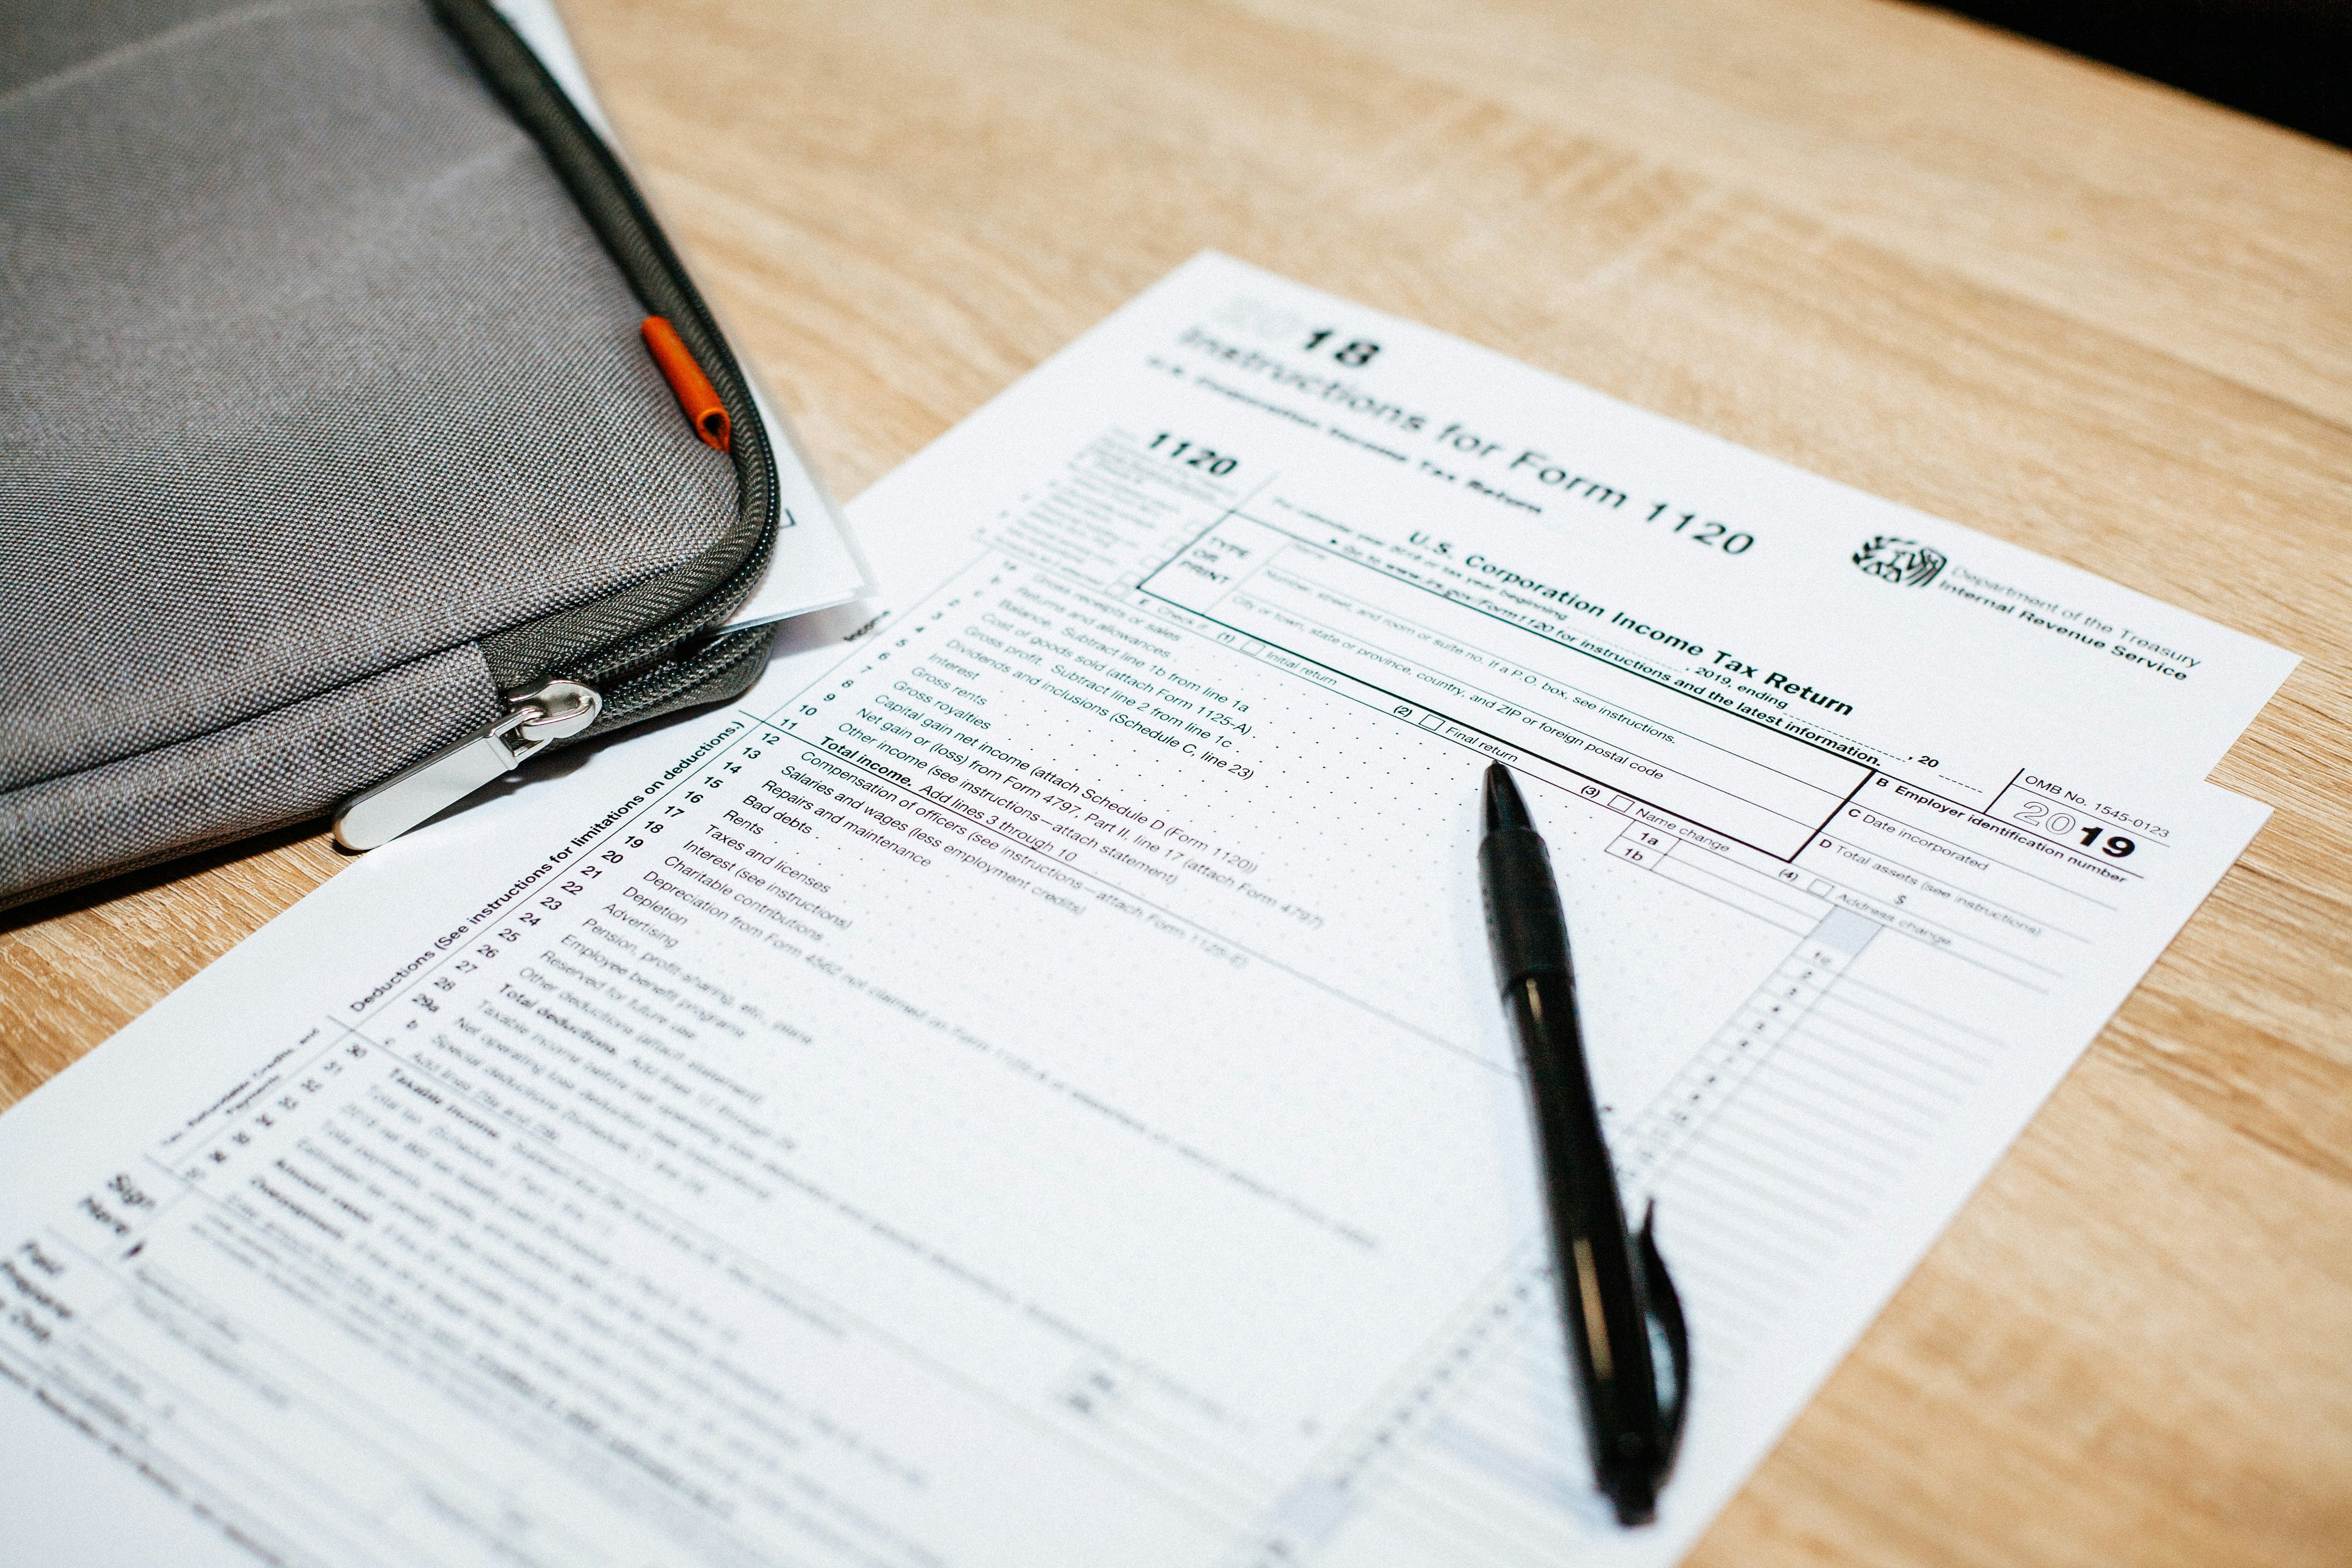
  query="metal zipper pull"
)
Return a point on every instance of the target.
[{"x": 556, "y": 712}]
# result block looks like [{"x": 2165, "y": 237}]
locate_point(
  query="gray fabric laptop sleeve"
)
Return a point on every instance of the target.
[{"x": 327, "y": 435}]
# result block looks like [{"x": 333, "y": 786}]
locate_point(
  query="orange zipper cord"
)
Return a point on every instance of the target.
[{"x": 694, "y": 392}]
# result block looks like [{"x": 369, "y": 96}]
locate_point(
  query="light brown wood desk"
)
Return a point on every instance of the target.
[{"x": 2077, "y": 310}]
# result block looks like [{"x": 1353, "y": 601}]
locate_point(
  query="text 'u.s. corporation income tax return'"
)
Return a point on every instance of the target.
[{"x": 1026, "y": 1087}]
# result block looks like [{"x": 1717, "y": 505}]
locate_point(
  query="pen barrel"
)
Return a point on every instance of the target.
[
  {"x": 1525, "y": 928},
  {"x": 1600, "y": 1297}
]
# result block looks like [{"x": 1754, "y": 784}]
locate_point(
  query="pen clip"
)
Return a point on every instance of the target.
[{"x": 1662, "y": 1306}]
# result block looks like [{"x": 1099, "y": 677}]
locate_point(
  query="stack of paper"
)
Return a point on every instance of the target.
[{"x": 1025, "y": 1087}]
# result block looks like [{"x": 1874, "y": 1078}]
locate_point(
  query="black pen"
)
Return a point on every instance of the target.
[{"x": 1613, "y": 1289}]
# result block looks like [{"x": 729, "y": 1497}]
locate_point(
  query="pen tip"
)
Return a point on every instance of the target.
[
  {"x": 1504, "y": 807},
  {"x": 1636, "y": 1503}
]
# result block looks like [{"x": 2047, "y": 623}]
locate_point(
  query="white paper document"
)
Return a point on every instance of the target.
[{"x": 1027, "y": 1086}]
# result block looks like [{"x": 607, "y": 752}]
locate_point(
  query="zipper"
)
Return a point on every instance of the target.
[
  {"x": 610, "y": 640},
  {"x": 556, "y": 712},
  {"x": 651, "y": 649}
]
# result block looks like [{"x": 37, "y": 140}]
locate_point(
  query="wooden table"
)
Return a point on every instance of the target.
[{"x": 2073, "y": 310}]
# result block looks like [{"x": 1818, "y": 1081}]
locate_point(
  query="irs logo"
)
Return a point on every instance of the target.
[{"x": 1905, "y": 561}]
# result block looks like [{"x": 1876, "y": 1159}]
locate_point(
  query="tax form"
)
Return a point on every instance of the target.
[{"x": 1026, "y": 1086}]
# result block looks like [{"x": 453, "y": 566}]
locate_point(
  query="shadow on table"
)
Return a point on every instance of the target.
[
  {"x": 127, "y": 883},
  {"x": 2288, "y": 61}
]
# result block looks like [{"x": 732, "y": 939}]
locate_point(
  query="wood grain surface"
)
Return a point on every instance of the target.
[{"x": 2073, "y": 310}]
